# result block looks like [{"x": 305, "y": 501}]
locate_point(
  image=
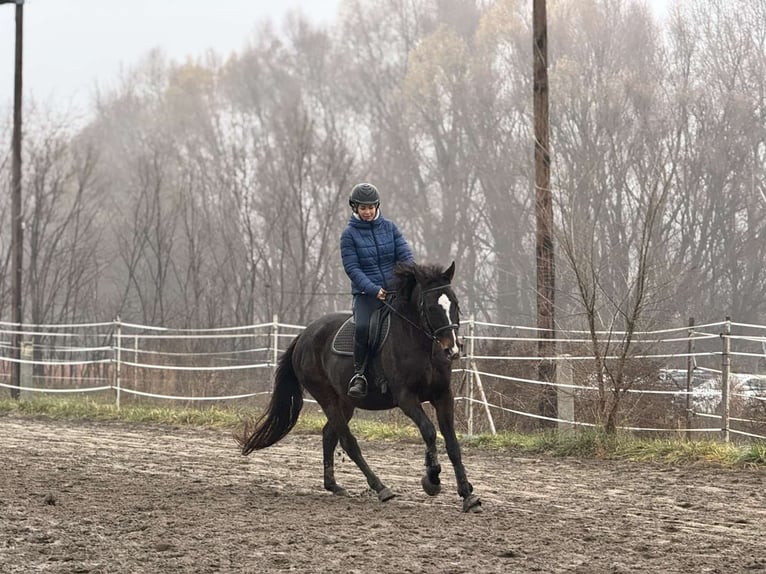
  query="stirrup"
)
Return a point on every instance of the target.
[{"x": 358, "y": 386}]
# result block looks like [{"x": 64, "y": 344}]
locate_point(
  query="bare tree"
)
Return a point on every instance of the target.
[
  {"x": 717, "y": 58},
  {"x": 437, "y": 101},
  {"x": 138, "y": 182},
  {"x": 291, "y": 207},
  {"x": 499, "y": 132},
  {"x": 220, "y": 185},
  {"x": 61, "y": 235},
  {"x": 5, "y": 227},
  {"x": 615, "y": 157}
]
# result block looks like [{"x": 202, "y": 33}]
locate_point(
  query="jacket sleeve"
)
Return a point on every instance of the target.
[
  {"x": 350, "y": 258},
  {"x": 401, "y": 247}
]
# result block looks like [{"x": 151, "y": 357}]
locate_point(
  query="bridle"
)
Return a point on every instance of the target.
[{"x": 431, "y": 333}]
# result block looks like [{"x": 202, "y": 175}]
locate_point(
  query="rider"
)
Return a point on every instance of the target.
[{"x": 370, "y": 246}]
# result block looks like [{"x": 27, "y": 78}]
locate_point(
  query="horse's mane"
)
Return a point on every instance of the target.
[{"x": 407, "y": 275}]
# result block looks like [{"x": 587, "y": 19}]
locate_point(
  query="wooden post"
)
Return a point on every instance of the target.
[
  {"x": 725, "y": 368},
  {"x": 17, "y": 221},
  {"x": 546, "y": 346}
]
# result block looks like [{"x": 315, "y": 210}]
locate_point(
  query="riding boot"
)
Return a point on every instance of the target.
[{"x": 358, "y": 386}]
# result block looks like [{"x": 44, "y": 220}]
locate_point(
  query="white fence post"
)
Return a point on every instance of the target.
[
  {"x": 26, "y": 369},
  {"x": 725, "y": 368},
  {"x": 470, "y": 365},
  {"x": 117, "y": 358},
  {"x": 484, "y": 399},
  {"x": 565, "y": 395},
  {"x": 135, "y": 361},
  {"x": 689, "y": 377},
  {"x": 274, "y": 345}
]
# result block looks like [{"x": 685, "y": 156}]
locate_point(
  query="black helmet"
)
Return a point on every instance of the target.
[{"x": 364, "y": 194}]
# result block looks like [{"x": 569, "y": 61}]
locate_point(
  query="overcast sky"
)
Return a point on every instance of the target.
[{"x": 71, "y": 46}]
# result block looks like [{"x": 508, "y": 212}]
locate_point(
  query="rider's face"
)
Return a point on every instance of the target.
[{"x": 366, "y": 212}]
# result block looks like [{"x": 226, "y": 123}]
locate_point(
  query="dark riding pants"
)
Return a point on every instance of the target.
[{"x": 364, "y": 307}]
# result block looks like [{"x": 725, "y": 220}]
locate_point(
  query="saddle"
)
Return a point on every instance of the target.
[
  {"x": 343, "y": 342},
  {"x": 380, "y": 321}
]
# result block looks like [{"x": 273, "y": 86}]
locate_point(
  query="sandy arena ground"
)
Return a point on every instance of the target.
[{"x": 114, "y": 498}]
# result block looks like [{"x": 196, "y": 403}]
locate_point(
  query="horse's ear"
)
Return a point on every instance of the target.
[{"x": 449, "y": 273}]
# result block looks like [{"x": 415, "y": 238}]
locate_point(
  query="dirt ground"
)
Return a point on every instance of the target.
[{"x": 114, "y": 498}]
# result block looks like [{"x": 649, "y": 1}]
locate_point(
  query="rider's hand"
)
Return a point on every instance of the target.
[{"x": 382, "y": 294}]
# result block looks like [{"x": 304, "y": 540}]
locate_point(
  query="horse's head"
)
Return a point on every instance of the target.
[{"x": 429, "y": 289}]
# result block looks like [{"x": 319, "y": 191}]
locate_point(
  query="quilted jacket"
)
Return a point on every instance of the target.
[{"x": 369, "y": 250}]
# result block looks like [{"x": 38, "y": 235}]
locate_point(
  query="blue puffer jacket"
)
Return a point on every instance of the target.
[{"x": 369, "y": 250}]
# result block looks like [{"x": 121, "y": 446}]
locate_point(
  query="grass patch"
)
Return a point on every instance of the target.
[
  {"x": 583, "y": 444},
  {"x": 87, "y": 409},
  {"x": 376, "y": 430},
  {"x": 599, "y": 445}
]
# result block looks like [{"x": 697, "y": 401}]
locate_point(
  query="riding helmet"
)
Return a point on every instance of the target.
[{"x": 364, "y": 194}]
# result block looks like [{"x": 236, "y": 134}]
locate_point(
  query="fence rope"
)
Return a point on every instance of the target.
[{"x": 62, "y": 356}]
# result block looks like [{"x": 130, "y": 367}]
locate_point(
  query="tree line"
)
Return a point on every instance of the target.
[{"x": 212, "y": 192}]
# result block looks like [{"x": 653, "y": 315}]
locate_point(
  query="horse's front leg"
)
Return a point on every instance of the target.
[
  {"x": 445, "y": 415},
  {"x": 430, "y": 481}
]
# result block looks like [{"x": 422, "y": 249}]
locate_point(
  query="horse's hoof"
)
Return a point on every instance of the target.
[
  {"x": 386, "y": 494},
  {"x": 341, "y": 492},
  {"x": 471, "y": 503},
  {"x": 429, "y": 487}
]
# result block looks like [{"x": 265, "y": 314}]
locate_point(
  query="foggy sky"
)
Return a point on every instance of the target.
[
  {"x": 70, "y": 46},
  {"x": 73, "y": 46}
]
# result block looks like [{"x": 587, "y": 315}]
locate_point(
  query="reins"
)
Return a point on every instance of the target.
[
  {"x": 418, "y": 327},
  {"x": 433, "y": 334}
]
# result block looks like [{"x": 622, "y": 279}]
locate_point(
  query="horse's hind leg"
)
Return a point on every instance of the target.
[
  {"x": 340, "y": 428},
  {"x": 329, "y": 442},
  {"x": 430, "y": 481}
]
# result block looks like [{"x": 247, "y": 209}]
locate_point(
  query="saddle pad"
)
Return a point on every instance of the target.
[{"x": 343, "y": 342}]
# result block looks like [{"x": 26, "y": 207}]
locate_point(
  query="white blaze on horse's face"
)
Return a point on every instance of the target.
[{"x": 449, "y": 339}]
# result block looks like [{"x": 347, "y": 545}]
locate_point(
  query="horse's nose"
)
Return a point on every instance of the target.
[
  {"x": 452, "y": 350},
  {"x": 451, "y": 345}
]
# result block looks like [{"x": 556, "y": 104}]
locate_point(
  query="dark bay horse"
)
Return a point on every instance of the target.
[{"x": 416, "y": 360}]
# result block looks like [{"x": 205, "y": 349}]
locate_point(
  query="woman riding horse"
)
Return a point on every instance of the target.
[
  {"x": 416, "y": 359},
  {"x": 370, "y": 246}
]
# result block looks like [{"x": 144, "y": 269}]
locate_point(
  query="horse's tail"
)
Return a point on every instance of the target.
[{"x": 284, "y": 408}]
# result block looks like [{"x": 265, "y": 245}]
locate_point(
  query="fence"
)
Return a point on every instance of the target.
[
  {"x": 690, "y": 380},
  {"x": 695, "y": 379},
  {"x": 148, "y": 362}
]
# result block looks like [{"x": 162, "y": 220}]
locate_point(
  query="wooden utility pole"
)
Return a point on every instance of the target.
[
  {"x": 546, "y": 346},
  {"x": 17, "y": 224}
]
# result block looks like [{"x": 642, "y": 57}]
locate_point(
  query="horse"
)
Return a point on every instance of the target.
[{"x": 416, "y": 363}]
